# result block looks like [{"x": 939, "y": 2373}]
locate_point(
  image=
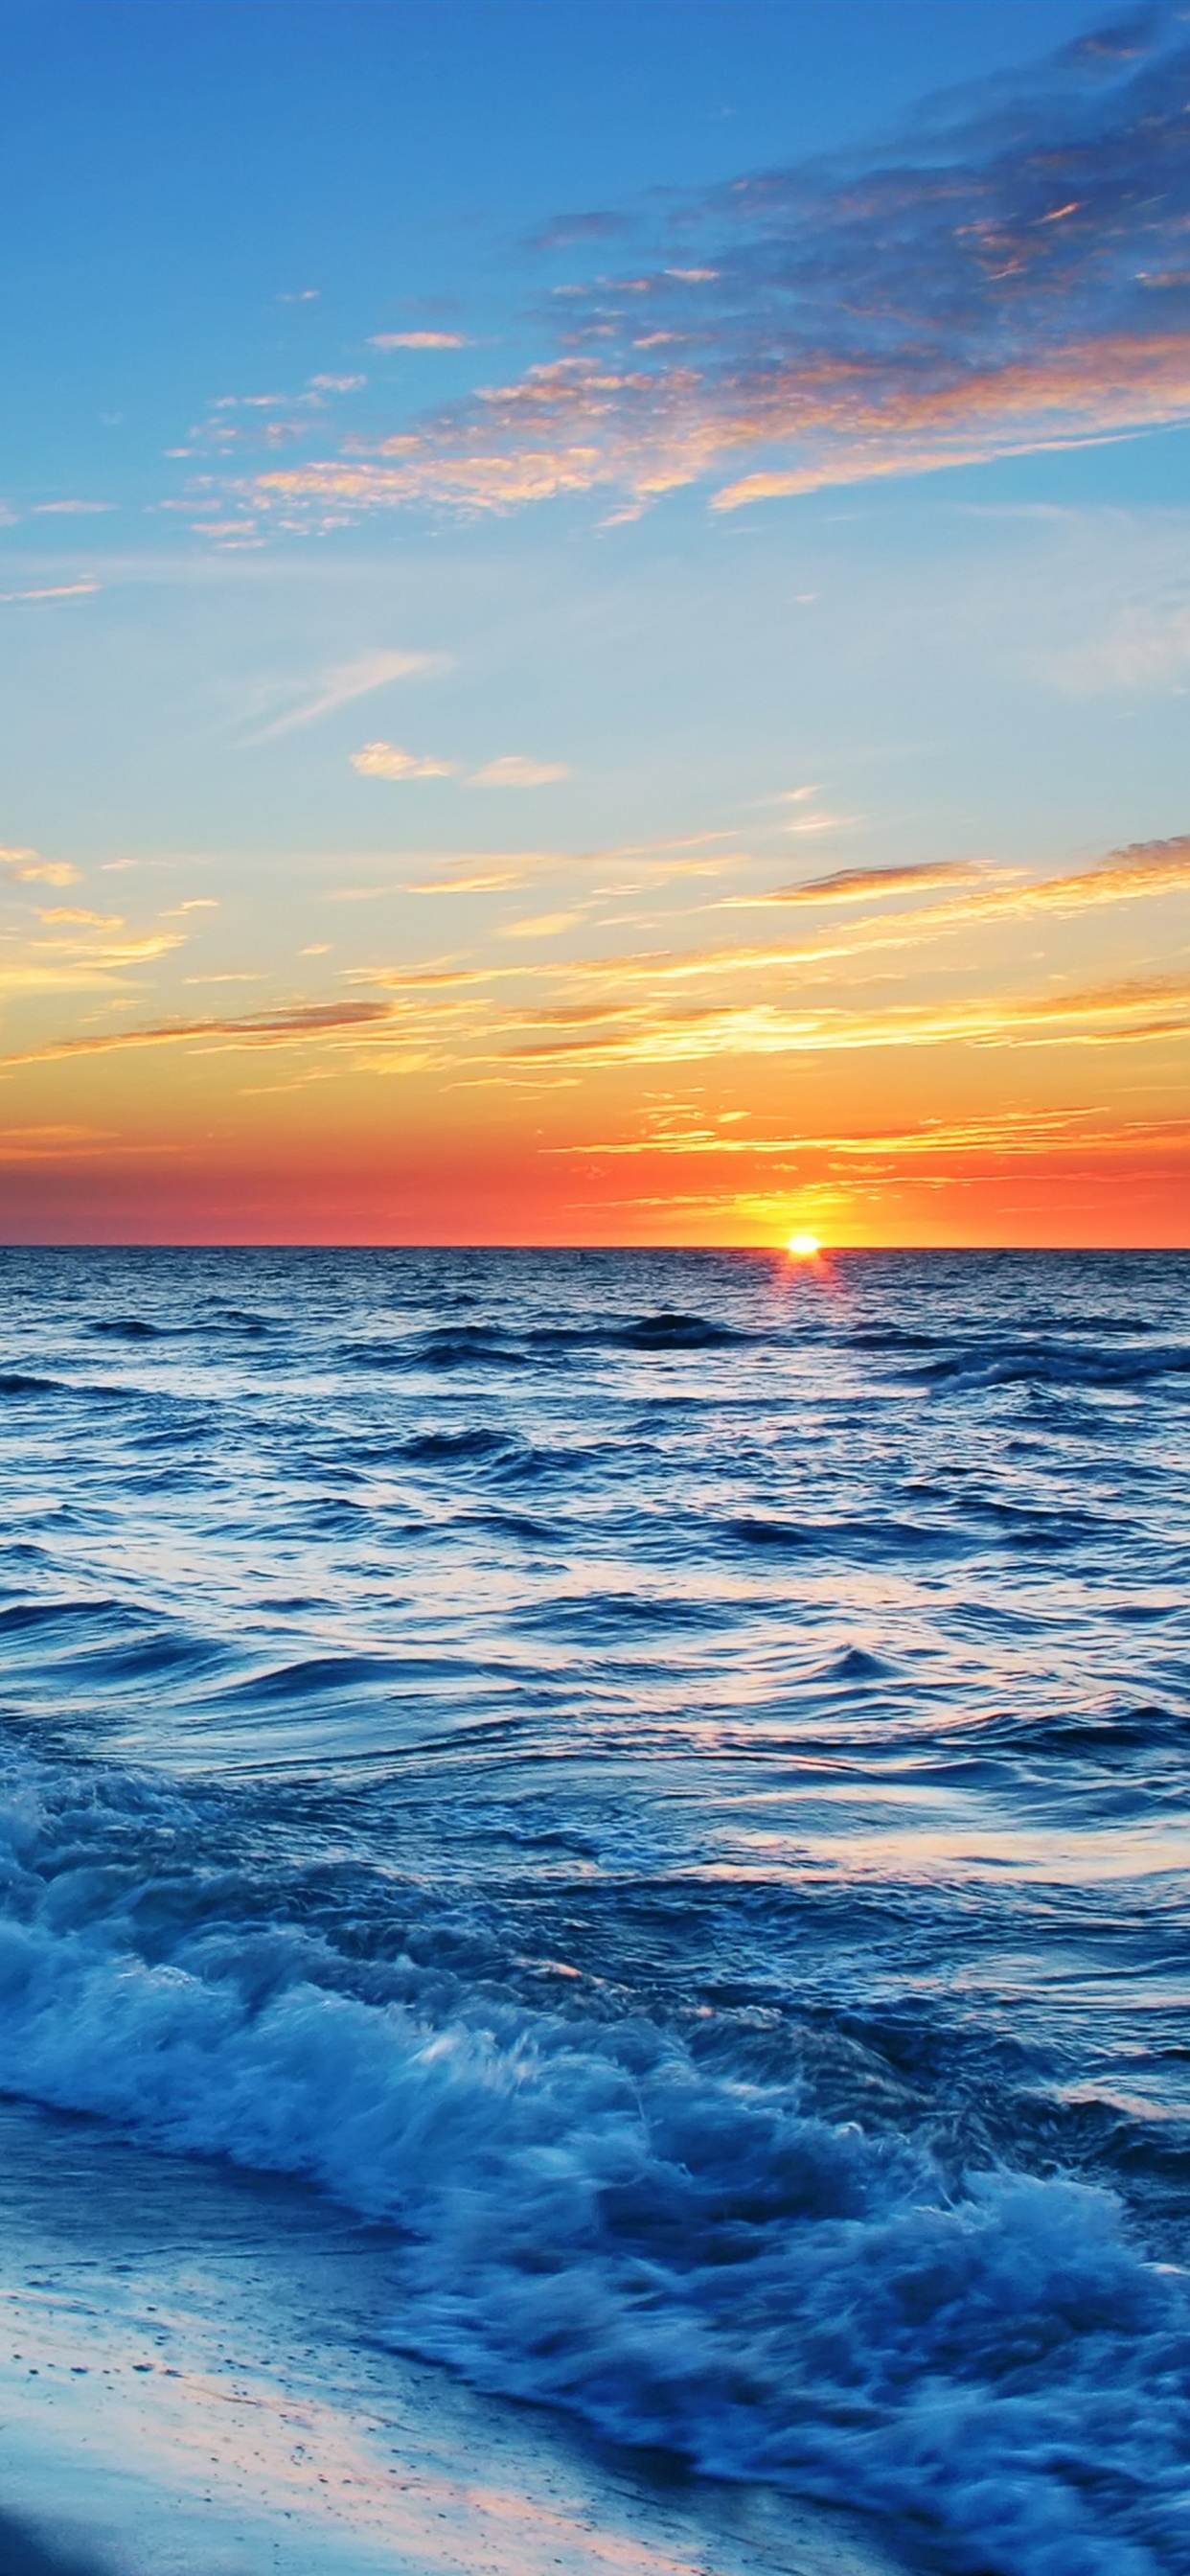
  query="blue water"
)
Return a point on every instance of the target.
[{"x": 662, "y": 1777}]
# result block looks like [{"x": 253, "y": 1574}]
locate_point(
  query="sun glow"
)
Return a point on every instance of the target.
[{"x": 803, "y": 1247}]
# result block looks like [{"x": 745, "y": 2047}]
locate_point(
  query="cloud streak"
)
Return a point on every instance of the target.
[
  {"x": 27, "y": 867},
  {"x": 417, "y": 340},
  {"x": 387, "y": 760},
  {"x": 1156, "y": 1007},
  {"x": 300, "y": 1020},
  {"x": 347, "y": 681},
  {"x": 1012, "y": 274},
  {"x": 859, "y": 885},
  {"x": 1031, "y": 1134},
  {"x": 514, "y": 770}
]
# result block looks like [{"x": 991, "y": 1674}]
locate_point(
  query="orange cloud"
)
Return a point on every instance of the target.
[
  {"x": 27, "y": 867},
  {"x": 302, "y": 1020},
  {"x": 384, "y": 760},
  {"x": 851, "y": 885}
]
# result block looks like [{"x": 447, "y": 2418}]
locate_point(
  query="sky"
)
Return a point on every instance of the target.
[{"x": 595, "y": 622}]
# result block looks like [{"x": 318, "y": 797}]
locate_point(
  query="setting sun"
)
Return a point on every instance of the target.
[{"x": 803, "y": 1247}]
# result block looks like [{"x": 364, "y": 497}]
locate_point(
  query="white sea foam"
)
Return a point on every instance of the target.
[
  {"x": 683, "y": 2259},
  {"x": 673, "y": 1808}
]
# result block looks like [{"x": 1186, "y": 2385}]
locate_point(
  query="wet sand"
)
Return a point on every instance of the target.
[{"x": 160, "y": 2415}]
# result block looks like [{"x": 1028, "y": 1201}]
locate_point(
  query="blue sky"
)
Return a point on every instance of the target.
[{"x": 619, "y": 468}]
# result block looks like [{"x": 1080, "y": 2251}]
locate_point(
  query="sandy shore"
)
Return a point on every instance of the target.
[{"x": 179, "y": 2397}]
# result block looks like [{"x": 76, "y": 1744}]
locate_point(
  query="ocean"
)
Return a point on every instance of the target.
[{"x": 593, "y": 1940}]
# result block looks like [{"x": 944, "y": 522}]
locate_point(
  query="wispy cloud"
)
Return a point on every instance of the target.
[
  {"x": 480, "y": 880},
  {"x": 1011, "y": 274},
  {"x": 78, "y": 965},
  {"x": 28, "y": 867},
  {"x": 1007, "y": 1134},
  {"x": 570, "y": 232},
  {"x": 1144, "y": 870},
  {"x": 70, "y": 1144},
  {"x": 75, "y": 913},
  {"x": 862, "y": 885},
  {"x": 385, "y": 760},
  {"x": 417, "y": 340},
  {"x": 301, "y": 1020},
  {"x": 54, "y": 590},
  {"x": 1147, "y": 647},
  {"x": 1142, "y": 1008},
  {"x": 541, "y": 925},
  {"x": 347, "y": 681},
  {"x": 514, "y": 770}
]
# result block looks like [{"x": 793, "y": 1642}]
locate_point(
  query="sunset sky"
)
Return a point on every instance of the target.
[{"x": 595, "y": 621}]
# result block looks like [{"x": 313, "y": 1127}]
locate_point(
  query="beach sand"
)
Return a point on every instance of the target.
[{"x": 192, "y": 2383}]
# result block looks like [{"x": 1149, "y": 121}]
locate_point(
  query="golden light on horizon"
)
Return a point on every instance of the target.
[{"x": 803, "y": 1247}]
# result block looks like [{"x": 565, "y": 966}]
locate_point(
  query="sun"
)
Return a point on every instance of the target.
[{"x": 803, "y": 1247}]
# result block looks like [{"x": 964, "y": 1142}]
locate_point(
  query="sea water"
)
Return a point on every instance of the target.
[{"x": 653, "y": 1785}]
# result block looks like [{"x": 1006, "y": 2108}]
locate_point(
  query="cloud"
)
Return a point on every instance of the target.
[
  {"x": 301, "y": 1020},
  {"x": 482, "y": 880},
  {"x": 1147, "y": 648},
  {"x": 543, "y": 925},
  {"x": 566, "y": 232},
  {"x": 1007, "y": 1134},
  {"x": 384, "y": 760},
  {"x": 1010, "y": 274},
  {"x": 337, "y": 384},
  {"x": 854, "y": 885},
  {"x": 1140, "y": 1009},
  {"x": 417, "y": 340},
  {"x": 1144, "y": 869},
  {"x": 73, "y": 965},
  {"x": 58, "y": 590},
  {"x": 87, "y": 920},
  {"x": 27, "y": 867},
  {"x": 515, "y": 771},
  {"x": 821, "y": 822},
  {"x": 70, "y": 509},
  {"x": 65, "y": 1143},
  {"x": 346, "y": 681}
]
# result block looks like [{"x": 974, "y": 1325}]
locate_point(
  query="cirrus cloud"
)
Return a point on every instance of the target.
[
  {"x": 417, "y": 340},
  {"x": 27, "y": 867},
  {"x": 1010, "y": 274},
  {"x": 513, "y": 770},
  {"x": 386, "y": 760}
]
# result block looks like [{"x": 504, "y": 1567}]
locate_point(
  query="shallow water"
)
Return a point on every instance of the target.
[{"x": 658, "y": 1780}]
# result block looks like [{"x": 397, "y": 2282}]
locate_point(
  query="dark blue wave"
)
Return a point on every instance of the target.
[{"x": 662, "y": 1779}]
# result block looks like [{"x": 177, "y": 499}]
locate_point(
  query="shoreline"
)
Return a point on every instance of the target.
[{"x": 154, "y": 2386}]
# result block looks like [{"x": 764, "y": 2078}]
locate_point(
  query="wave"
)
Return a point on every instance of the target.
[
  {"x": 881, "y": 1537},
  {"x": 669, "y": 1331},
  {"x": 127, "y": 1328},
  {"x": 596, "y": 2218},
  {"x": 479, "y": 1345},
  {"x": 1056, "y": 1364},
  {"x": 445, "y": 1446},
  {"x": 457, "y": 1346}
]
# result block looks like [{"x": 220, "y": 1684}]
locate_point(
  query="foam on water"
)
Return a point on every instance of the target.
[{"x": 728, "y": 1920}]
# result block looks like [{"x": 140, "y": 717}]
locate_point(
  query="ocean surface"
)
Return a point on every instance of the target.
[{"x": 653, "y": 1785}]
